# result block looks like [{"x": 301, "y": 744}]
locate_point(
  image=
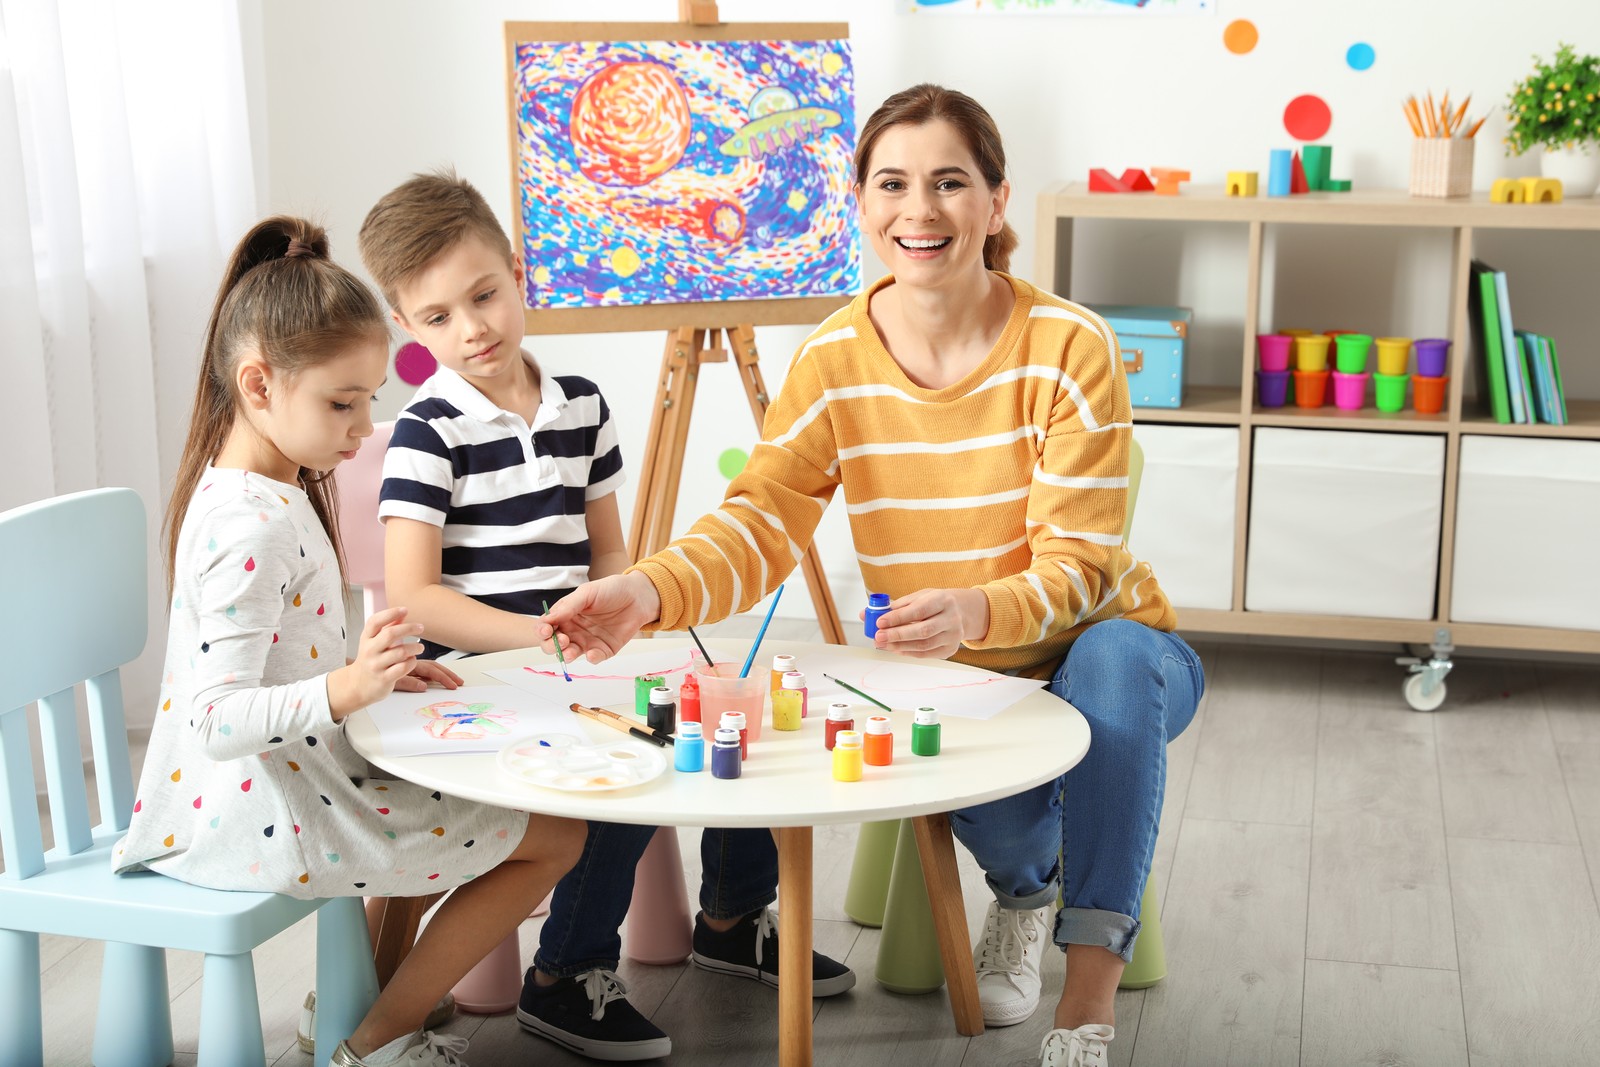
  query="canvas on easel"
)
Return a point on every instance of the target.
[{"x": 694, "y": 177}]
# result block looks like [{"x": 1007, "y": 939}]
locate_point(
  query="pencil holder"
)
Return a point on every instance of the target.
[{"x": 1441, "y": 166}]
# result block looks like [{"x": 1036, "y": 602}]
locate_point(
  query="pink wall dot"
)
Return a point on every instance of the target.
[
  {"x": 415, "y": 364},
  {"x": 1307, "y": 117}
]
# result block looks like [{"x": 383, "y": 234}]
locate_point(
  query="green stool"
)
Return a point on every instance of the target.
[{"x": 886, "y": 889}]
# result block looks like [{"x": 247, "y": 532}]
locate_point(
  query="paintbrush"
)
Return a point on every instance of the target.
[
  {"x": 751, "y": 658},
  {"x": 617, "y": 722},
  {"x": 701, "y": 646},
  {"x": 858, "y": 692},
  {"x": 556, "y": 640}
]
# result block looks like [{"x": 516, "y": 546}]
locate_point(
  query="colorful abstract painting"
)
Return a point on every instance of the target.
[
  {"x": 1061, "y": 7},
  {"x": 672, "y": 171}
]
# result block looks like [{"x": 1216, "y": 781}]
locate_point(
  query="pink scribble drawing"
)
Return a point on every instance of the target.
[
  {"x": 979, "y": 683},
  {"x": 544, "y": 673},
  {"x": 471, "y": 723}
]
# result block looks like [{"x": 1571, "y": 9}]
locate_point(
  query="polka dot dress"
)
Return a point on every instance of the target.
[{"x": 248, "y": 782}]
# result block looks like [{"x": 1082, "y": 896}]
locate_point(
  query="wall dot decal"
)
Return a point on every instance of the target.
[
  {"x": 1360, "y": 56},
  {"x": 415, "y": 364},
  {"x": 1240, "y": 36},
  {"x": 732, "y": 461},
  {"x": 1307, "y": 117}
]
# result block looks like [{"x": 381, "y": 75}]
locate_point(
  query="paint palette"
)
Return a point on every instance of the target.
[{"x": 573, "y": 765}]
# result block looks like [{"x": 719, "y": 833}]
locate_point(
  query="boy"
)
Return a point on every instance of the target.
[{"x": 499, "y": 493}]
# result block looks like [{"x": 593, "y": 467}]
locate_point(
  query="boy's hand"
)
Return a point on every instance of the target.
[
  {"x": 428, "y": 671},
  {"x": 932, "y": 623},
  {"x": 597, "y": 618},
  {"x": 382, "y": 659}
]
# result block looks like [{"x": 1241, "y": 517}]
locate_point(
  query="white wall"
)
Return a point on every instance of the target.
[{"x": 361, "y": 93}]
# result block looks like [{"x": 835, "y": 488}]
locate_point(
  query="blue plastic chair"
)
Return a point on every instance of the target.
[{"x": 73, "y": 570}]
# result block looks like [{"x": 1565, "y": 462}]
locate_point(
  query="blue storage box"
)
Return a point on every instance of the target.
[{"x": 1152, "y": 340}]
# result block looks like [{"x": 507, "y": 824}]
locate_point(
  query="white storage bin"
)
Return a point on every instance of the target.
[
  {"x": 1527, "y": 512},
  {"x": 1183, "y": 520},
  {"x": 1344, "y": 523}
]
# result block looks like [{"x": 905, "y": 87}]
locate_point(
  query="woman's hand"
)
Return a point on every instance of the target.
[
  {"x": 382, "y": 659},
  {"x": 932, "y": 623},
  {"x": 597, "y": 618},
  {"x": 428, "y": 671}
]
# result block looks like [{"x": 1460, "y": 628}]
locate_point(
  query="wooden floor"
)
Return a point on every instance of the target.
[{"x": 1344, "y": 881}]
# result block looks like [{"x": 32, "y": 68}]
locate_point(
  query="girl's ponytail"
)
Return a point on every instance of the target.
[{"x": 283, "y": 299}]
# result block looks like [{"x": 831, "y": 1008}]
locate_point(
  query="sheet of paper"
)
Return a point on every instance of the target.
[
  {"x": 474, "y": 718},
  {"x": 597, "y": 684},
  {"x": 906, "y": 685}
]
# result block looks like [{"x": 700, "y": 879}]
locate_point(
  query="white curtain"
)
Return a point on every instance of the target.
[{"x": 126, "y": 174}]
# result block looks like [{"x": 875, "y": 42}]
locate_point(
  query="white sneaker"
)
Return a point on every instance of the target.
[
  {"x": 1083, "y": 1047},
  {"x": 428, "y": 1050},
  {"x": 1007, "y": 961},
  {"x": 305, "y": 1034}
]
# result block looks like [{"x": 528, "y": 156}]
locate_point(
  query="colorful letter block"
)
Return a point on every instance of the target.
[
  {"x": 1506, "y": 191},
  {"x": 1101, "y": 181},
  {"x": 1242, "y": 182},
  {"x": 1167, "y": 179},
  {"x": 1541, "y": 190}
]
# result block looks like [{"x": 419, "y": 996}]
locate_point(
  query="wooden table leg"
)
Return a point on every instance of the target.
[
  {"x": 794, "y": 946},
  {"x": 936, "y": 846}
]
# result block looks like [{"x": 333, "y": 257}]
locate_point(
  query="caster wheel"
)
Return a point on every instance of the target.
[{"x": 1419, "y": 700}]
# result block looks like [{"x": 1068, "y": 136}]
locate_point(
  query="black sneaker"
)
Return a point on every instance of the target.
[
  {"x": 590, "y": 1015},
  {"x": 750, "y": 950}
]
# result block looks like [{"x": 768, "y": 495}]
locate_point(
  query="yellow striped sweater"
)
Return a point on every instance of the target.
[{"x": 1013, "y": 480}]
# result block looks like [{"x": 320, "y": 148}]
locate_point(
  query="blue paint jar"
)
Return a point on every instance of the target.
[
  {"x": 689, "y": 754},
  {"x": 877, "y": 604},
  {"x": 725, "y": 762}
]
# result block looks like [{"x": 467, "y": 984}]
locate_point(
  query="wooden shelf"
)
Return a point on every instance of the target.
[{"x": 1235, "y": 406}]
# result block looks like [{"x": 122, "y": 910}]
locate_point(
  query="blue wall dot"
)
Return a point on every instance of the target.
[{"x": 1360, "y": 56}]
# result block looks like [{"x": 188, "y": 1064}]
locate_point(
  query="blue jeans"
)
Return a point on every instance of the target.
[
  {"x": 738, "y": 875},
  {"x": 1090, "y": 834}
]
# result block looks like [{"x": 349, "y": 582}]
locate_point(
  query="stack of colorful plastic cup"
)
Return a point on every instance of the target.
[
  {"x": 1272, "y": 380},
  {"x": 1350, "y": 379},
  {"x": 1311, "y": 369},
  {"x": 1428, "y": 390},
  {"x": 1389, "y": 383}
]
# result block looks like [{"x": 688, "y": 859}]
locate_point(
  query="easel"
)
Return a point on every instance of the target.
[{"x": 688, "y": 348}]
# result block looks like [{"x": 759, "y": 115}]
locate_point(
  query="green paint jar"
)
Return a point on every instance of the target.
[
  {"x": 641, "y": 693},
  {"x": 925, "y": 733}
]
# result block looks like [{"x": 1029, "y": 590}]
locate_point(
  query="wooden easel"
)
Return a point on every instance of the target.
[{"x": 688, "y": 348}]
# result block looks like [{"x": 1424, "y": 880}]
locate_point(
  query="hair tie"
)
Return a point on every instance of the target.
[{"x": 298, "y": 248}]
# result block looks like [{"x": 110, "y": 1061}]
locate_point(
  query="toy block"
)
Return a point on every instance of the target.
[
  {"x": 1101, "y": 181},
  {"x": 1541, "y": 190},
  {"x": 1297, "y": 176},
  {"x": 1242, "y": 182},
  {"x": 1137, "y": 180},
  {"x": 1337, "y": 185},
  {"x": 1318, "y": 161},
  {"x": 1278, "y": 173},
  {"x": 1506, "y": 191},
  {"x": 1167, "y": 179}
]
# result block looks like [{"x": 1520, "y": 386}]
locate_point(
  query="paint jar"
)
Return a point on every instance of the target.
[
  {"x": 662, "y": 715},
  {"x": 641, "y": 693},
  {"x": 839, "y": 718},
  {"x": 689, "y": 698},
  {"x": 721, "y": 689},
  {"x": 726, "y": 757},
  {"x": 689, "y": 754},
  {"x": 789, "y": 703},
  {"x": 847, "y": 756},
  {"x": 877, "y": 604},
  {"x": 735, "y": 721},
  {"x": 781, "y": 665},
  {"x": 879, "y": 743},
  {"x": 925, "y": 730}
]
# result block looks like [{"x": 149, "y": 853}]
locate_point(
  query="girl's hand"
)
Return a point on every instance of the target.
[
  {"x": 932, "y": 623},
  {"x": 598, "y": 618},
  {"x": 382, "y": 659},
  {"x": 428, "y": 671}
]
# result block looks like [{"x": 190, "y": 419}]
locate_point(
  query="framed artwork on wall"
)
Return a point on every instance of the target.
[{"x": 670, "y": 173}]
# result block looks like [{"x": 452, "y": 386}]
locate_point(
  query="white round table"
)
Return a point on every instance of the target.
[{"x": 787, "y": 784}]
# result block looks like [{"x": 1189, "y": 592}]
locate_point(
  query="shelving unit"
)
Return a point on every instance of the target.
[{"x": 1234, "y": 406}]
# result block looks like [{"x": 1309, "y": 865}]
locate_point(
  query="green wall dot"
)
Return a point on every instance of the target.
[{"x": 732, "y": 461}]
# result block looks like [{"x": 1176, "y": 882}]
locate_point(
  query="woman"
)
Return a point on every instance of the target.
[{"x": 980, "y": 430}]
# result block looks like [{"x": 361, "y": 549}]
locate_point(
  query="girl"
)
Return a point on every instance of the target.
[
  {"x": 952, "y": 387},
  {"x": 249, "y": 783}
]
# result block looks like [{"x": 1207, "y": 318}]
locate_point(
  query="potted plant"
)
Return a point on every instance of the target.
[{"x": 1556, "y": 109}]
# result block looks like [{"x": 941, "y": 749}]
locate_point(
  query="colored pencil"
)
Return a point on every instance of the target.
[
  {"x": 858, "y": 692},
  {"x": 751, "y": 658},
  {"x": 616, "y": 722},
  {"x": 703, "y": 651},
  {"x": 556, "y": 638}
]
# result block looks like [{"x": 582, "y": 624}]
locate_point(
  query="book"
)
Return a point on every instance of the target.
[
  {"x": 1516, "y": 375},
  {"x": 1552, "y": 379},
  {"x": 1485, "y": 323},
  {"x": 1529, "y": 352},
  {"x": 1555, "y": 375}
]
